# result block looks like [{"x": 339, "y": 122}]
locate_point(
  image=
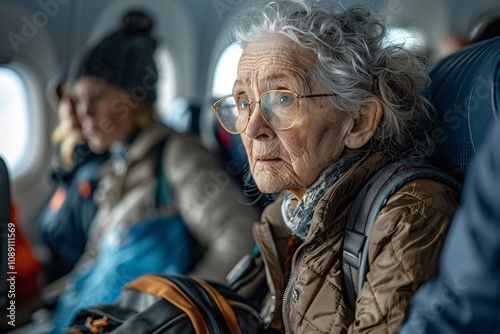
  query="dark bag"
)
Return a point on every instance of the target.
[
  {"x": 171, "y": 304},
  {"x": 248, "y": 278}
]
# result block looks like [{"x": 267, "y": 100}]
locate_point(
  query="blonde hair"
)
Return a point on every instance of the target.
[{"x": 66, "y": 140}]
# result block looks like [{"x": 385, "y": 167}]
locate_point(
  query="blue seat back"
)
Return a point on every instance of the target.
[{"x": 465, "y": 90}]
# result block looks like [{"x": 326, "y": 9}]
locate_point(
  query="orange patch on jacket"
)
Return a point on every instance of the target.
[
  {"x": 84, "y": 188},
  {"x": 57, "y": 199}
]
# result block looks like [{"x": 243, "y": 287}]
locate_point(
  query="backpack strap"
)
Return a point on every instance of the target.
[
  {"x": 163, "y": 191},
  {"x": 161, "y": 287},
  {"x": 223, "y": 305},
  {"x": 208, "y": 310},
  {"x": 365, "y": 209}
]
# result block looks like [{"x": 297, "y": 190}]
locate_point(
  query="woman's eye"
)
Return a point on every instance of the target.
[
  {"x": 244, "y": 104},
  {"x": 97, "y": 97},
  {"x": 286, "y": 99}
]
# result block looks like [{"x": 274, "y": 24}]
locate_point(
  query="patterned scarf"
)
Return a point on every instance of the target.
[{"x": 298, "y": 220}]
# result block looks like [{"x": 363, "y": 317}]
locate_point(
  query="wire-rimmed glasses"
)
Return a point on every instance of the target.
[{"x": 279, "y": 108}]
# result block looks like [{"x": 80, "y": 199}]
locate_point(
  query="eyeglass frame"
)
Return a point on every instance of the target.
[{"x": 250, "y": 103}]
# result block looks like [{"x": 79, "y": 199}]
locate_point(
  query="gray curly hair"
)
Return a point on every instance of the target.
[{"x": 354, "y": 63}]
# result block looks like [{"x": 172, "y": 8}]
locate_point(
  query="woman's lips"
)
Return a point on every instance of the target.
[{"x": 268, "y": 161}]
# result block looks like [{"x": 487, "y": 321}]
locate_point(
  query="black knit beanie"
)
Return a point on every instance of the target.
[{"x": 125, "y": 58}]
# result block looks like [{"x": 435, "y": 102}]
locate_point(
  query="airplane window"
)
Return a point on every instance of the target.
[
  {"x": 13, "y": 117},
  {"x": 409, "y": 38},
  {"x": 225, "y": 71},
  {"x": 166, "y": 79}
]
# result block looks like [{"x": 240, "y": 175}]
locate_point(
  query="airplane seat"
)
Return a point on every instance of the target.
[
  {"x": 465, "y": 90},
  {"x": 232, "y": 147},
  {"x": 182, "y": 116},
  {"x": 5, "y": 215}
]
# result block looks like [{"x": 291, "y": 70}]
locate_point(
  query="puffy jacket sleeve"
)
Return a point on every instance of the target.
[
  {"x": 211, "y": 205},
  {"x": 404, "y": 247}
]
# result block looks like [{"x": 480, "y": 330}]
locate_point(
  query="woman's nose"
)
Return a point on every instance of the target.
[
  {"x": 257, "y": 127},
  {"x": 83, "y": 109}
]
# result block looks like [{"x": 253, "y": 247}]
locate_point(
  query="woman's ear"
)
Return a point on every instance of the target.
[{"x": 363, "y": 127}]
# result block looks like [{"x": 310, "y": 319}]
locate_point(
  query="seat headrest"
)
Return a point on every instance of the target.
[{"x": 465, "y": 89}]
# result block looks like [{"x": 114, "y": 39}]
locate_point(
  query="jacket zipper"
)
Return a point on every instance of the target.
[
  {"x": 297, "y": 261},
  {"x": 286, "y": 293},
  {"x": 268, "y": 251}
]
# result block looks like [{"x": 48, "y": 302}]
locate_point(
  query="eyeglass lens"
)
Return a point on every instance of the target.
[{"x": 279, "y": 109}]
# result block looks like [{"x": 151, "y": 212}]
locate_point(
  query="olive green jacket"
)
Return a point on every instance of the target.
[{"x": 404, "y": 246}]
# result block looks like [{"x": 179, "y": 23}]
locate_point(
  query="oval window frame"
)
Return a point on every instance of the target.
[{"x": 34, "y": 125}]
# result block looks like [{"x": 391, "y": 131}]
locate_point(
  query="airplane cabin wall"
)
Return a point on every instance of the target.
[{"x": 29, "y": 46}]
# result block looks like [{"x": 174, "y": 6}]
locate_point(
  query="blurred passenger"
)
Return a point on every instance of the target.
[
  {"x": 448, "y": 44},
  {"x": 165, "y": 205},
  {"x": 321, "y": 105},
  {"x": 64, "y": 222},
  {"x": 465, "y": 296},
  {"x": 487, "y": 27}
]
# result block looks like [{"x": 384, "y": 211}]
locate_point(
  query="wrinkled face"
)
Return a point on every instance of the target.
[
  {"x": 291, "y": 159},
  {"x": 105, "y": 113}
]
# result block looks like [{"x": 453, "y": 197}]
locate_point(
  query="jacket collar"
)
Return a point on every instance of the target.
[
  {"x": 153, "y": 134},
  {"x": 337, "y": 201}
]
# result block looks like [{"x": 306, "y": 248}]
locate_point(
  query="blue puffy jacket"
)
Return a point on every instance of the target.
[{"x": 65, "y": 221}]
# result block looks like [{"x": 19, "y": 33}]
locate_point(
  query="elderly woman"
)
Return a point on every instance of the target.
[{"x": 321, "y": 104}]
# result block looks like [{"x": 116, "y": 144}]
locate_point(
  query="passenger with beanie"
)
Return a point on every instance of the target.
[
  {"x": 165, "y": 205},
  {"x": 65, "y": 220}
]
